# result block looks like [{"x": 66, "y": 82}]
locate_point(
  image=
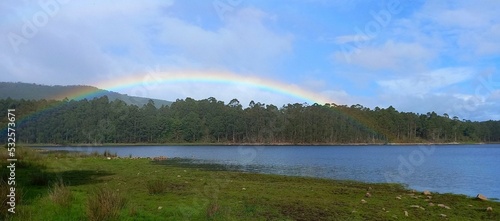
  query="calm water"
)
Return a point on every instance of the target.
[{"x": 463, "y": 169}]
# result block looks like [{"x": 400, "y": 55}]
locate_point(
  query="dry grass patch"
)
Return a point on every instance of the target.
[
  {"x": 104, "y": 204},
  {"x": 60, "y": 193},
  {"x": 213, "y": 209},
  {"x": 157, "y": 187}
]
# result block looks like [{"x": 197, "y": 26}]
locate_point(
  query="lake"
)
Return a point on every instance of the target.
[{"x": 462, "y": 169}]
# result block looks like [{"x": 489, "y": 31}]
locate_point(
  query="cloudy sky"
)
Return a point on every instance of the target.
[{"x": 417, "y": 56}]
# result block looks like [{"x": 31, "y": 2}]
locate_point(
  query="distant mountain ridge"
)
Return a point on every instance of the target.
[{"x": 31, "y": 91}]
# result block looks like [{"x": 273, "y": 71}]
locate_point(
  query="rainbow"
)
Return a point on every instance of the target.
[
  {"x": 145, "y": 81},
  {"x": 142, "y": 82}
]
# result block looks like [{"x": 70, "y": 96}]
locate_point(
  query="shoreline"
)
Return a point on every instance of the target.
[
  {"x": 144, "y": 185},
  {"x": 138, "y": 189},
  {"x": 248, "y": 144}
]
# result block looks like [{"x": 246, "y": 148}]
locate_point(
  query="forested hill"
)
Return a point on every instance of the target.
[
  {"x": 37, "y": 92},
  {"x": 211, "y": 121}
]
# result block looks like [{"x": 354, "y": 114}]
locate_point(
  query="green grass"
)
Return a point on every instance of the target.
[{"x": 139, "y": 189}]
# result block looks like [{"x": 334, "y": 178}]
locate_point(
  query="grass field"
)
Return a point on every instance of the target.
[{"x": 61, "y": 186}]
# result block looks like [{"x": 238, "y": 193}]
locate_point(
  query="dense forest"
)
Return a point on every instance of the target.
[
  {"x": 29, "y": 91},
  {"x": 211, "y": 121}
]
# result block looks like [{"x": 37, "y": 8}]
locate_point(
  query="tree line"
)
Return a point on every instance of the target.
[{"x": 187, "y": 120}]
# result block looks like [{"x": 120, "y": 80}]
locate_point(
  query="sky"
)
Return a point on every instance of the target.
[{"x": 418, "y": 56}]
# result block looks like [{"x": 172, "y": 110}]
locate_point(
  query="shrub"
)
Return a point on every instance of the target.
[
  {"x": 94, "y": 153},
  {"x": 157, "y": 187},
  {"x": 212, "y": 209},
  {"x": 104, "y": 204},
  {"x": 60, "y": 194},
  {"x": 107, "y": 153}
]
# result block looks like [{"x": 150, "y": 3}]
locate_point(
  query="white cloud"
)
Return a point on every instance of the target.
[
  {"x": 431, "y": 91},
  {"x": 460, "y": 13},
  {"x": 88, "y": 40},
  {"x": 484, "y": 42},
  {"x": 71, "y": 48},
  {"x": 427, "y": 82},
  {"x": 428, "y": 60},
  {"x": 471, "y": 28},
  {"x": 494, "y": 95},
  {"x": 459, "y": 18},
  {"x": 338, "y": 96},
  {"x": 243, "y": 42},
  {"x": 391, "y": 55},
  {"x": 437, "y": 32}
]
